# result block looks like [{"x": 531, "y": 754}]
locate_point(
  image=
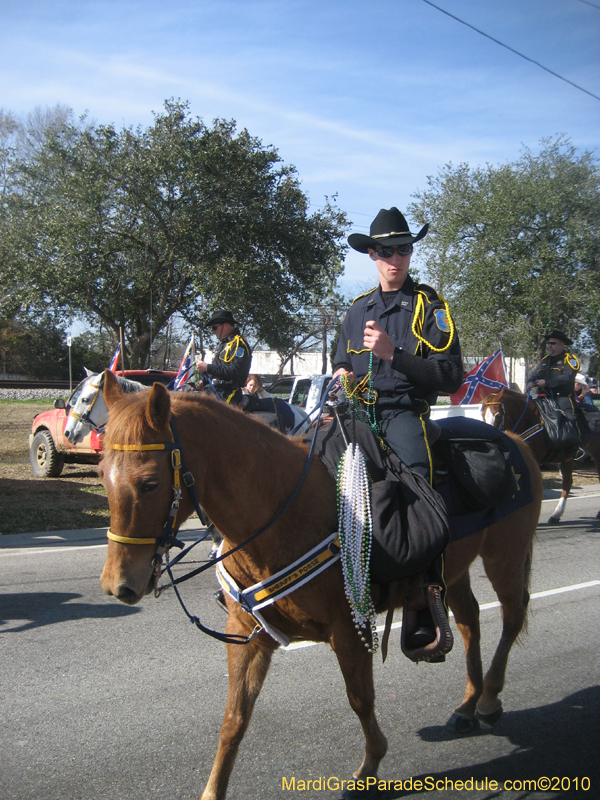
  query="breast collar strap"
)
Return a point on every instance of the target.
[{"x": 280, "y": 584}]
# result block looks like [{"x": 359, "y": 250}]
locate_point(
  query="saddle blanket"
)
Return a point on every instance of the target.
[{"x": 462, "y": 521}]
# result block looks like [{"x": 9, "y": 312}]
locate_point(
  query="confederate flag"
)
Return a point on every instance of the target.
[
  {"x": 115, "y": 359},
  {"x": 187, "y": 366},
  {"x": 488, "y": 377}
]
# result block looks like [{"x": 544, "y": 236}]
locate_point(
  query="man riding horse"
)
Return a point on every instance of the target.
[
  {"x": 231, "y": 363},
  {"x": 555, "y": 376},
  {"x": 399, "y": 346}
]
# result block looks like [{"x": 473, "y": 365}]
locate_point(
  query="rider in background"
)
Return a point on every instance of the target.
[
  {"x": 555, "y": 374},
  {"x": 231, "y": 363}
]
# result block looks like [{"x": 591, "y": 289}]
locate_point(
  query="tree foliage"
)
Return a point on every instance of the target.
[
  {"x": 37, "y": 348},
  {"x": 128, "y": 228},
  {"x": 515, "y": 248}
]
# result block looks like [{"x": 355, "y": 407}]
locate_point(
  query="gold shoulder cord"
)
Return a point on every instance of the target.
[
  {"x": 231, "y": 349},
  {"x": 419, "y": 319},
  {"x": 568, "y": 358}
]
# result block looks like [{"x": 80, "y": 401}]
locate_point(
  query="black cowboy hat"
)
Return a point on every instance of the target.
[
  {"x": 388, "y": 228},
  {"x": 558, "y": 335},
  {"x": 221, "y": 316}
]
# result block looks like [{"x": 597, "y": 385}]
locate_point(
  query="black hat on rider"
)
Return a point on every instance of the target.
[
  {"x": 560, "y": 336},
  {"x": 222, "y": 316},
  {"x": 388, "y": 228}
]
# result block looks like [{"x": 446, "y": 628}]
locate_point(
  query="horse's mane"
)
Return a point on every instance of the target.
[
  {"x": 127, "y": 422},
  {"x": 128, "y": 386}
]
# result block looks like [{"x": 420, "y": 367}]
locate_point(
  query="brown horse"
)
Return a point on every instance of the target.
[
  {"x": 244, "y": 472},
  {"x": 511, "y": 411}
]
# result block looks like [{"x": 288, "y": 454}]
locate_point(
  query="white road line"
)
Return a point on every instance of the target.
[
  {"x": 30, "y": 551},
  {"x": 485, "y": 607},
  {"x": 571, "y": 498}
]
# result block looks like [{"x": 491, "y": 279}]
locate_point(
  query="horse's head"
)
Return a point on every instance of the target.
[
  {"x": 492, "y": 409},
  {"x": 89, "y": 411},
  {"x": 509, "y": 410},
  {"x": 138, "y": 482}
]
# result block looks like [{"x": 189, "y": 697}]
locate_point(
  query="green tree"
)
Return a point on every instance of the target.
[
  {"x": 128, "y": 228},
  {"x": 515, "y": 248}
]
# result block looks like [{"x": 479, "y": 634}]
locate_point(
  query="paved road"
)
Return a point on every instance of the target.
[{"x": 104, "y": 701}]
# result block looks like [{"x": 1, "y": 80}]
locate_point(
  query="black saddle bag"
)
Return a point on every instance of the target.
[
  {"x": 482, "y": 471},
  {"x": 561, "y": 432}
]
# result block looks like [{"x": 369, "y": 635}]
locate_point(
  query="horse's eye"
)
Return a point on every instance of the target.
[{"x": 149, "y": 486}]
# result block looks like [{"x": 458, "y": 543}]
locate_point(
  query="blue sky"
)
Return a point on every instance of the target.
[{"x": 366, "y": 99}]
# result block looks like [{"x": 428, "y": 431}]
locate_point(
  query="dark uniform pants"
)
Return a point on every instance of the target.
[{"x": 403, "y": 427}]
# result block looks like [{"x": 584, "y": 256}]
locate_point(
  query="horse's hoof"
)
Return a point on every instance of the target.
[
  {"x": 489, "y": 719},
  {"x": 553, "y": 521},
  {"x": 365, "y": 794},
  {"x": 462, "y": 725}
]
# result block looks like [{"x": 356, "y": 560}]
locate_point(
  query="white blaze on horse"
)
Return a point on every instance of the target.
[
  {"x": 90, "y": 412},
  {"x": 138, "y": 475},
  {"x": 513, "y": 411}
]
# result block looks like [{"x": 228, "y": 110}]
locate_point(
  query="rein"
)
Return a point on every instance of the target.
[{"x": 168, "y": 538}]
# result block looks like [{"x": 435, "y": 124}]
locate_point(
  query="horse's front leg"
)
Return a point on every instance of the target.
[
  {"x": 248, "y": 667},
  {"x": 566, "y": 472},
  {"x": 356, "y": 664}
]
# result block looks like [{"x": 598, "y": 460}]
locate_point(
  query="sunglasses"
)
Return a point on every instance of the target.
[
  {"x": 215, "y": 327},
  {"x": 388, "y": 252},
  {"x": 553, "y": 344}
]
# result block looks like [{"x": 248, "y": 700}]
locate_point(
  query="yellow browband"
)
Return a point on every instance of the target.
[
  {"x": 128, "y": 539},
  {"x": 135, "y": 446}
]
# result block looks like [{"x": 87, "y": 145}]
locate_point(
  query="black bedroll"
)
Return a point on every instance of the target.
[{"x": 410, "y": 521}]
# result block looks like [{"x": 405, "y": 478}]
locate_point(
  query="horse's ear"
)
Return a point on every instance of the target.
[
  {"x": 158, "y": 407},
  {"x": 88, "y": 372},
  {"x": 112, "y": 390}
]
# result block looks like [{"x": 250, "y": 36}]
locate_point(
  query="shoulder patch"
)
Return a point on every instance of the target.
[
  {"x": 441, "y": 319},
  {"x": 365, "y": 294},
  {"x": 572, "y": 362},
  {"x": 239, "y": 352}
]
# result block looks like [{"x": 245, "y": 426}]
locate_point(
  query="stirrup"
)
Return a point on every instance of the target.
[{"x": 442, "y": 644}]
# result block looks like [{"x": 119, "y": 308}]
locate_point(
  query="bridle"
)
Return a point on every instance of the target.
[
  {"x": 85, "y": 417},
  {"x": 168, "y": 539}
]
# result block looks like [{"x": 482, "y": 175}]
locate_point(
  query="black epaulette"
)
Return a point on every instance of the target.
[{"x": 365, "y": 294}]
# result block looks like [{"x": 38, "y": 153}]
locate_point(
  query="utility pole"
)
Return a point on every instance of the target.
[{"x": 70, "y": 372}]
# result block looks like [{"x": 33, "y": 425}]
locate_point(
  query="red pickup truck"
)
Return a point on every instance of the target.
[{"x": 49, "y": 450}]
